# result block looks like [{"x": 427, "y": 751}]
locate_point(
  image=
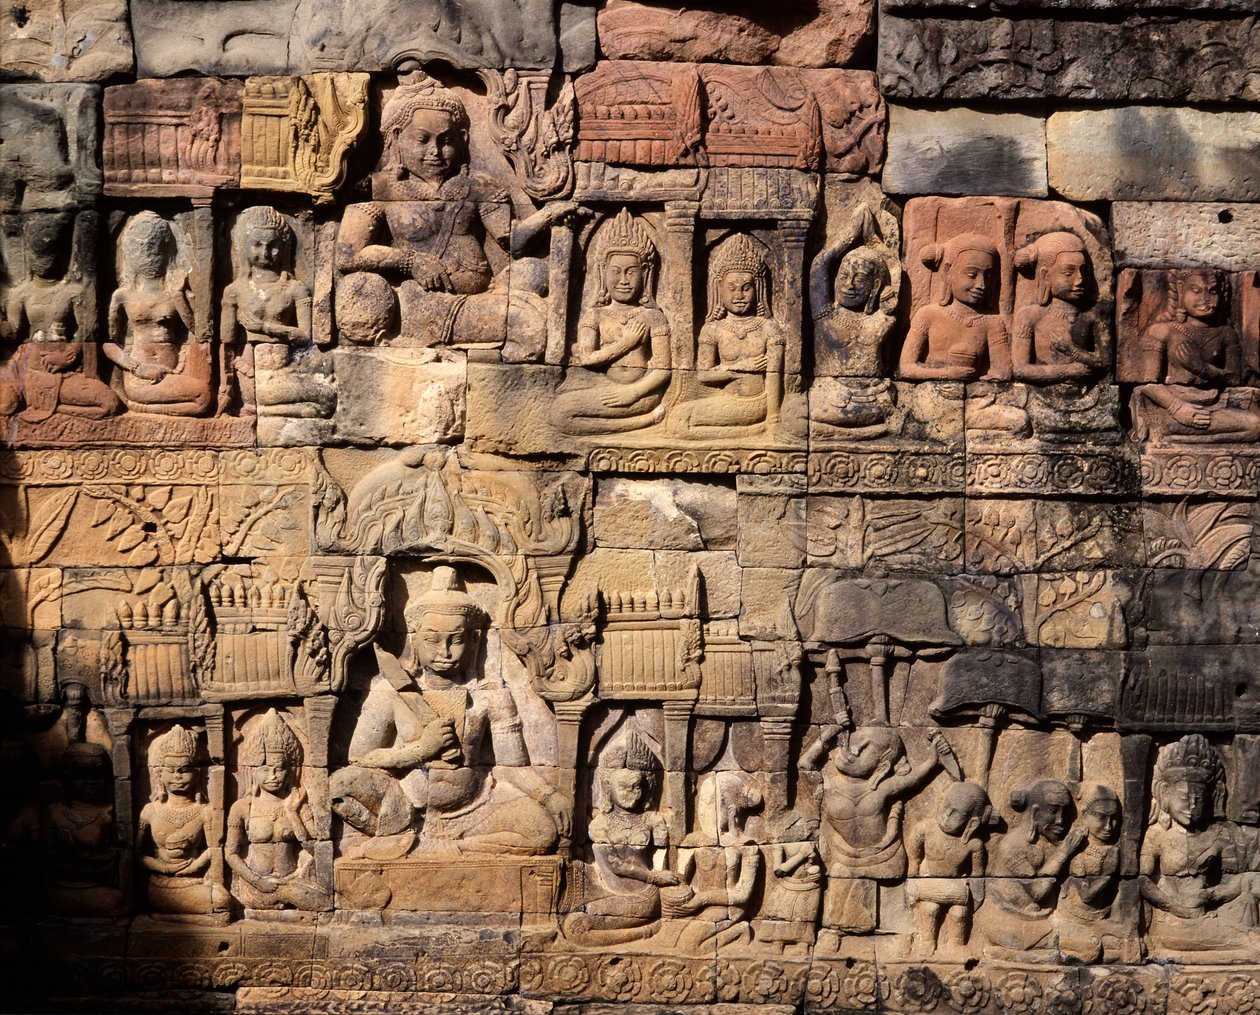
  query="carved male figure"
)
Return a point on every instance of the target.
[
  {"x": 850, "y": 319},
  {"x": 439, "y": 746}
]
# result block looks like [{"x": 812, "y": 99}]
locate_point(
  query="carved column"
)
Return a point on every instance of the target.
[
  {"x": 319, "y": 713},
  {"x": 793, "y": 233},
  {"x": 677, "y": 735},
  {"x": 119, "y": 721},
  {"x": 569, "y": 716},
  {"x": 559, "y": 265},
  {"x": 675, "y": 298},
  {"x": 215, "y": 745}
]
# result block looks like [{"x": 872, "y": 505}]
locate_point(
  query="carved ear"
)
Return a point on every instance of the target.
[{"x": 973, "y": 826}]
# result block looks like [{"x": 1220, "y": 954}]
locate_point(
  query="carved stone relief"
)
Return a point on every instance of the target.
[{"x": 487, "y": 528}]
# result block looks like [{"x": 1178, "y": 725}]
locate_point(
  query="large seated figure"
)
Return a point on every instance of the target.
[
  {"x": 425, "y": 262},
  {"x": 437, "y": 758}
]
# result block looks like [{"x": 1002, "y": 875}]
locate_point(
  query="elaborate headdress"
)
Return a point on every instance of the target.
[
  {"x": 446, "y": 595},
  {"x": 1190, "y": 759},
  {"x": 941, "y": 256},
  {"x": 269, "y": 738},
  {"x": 419, "y": 91},
  {"x": 624, "y": 235},
  {"x": 177, "y": 742},
  {"x": 738, "y": 253},
  {"x": 260, "y": 216},
  {"x": 632, "y": 752},
  {"x": 1039, "y": 256}
]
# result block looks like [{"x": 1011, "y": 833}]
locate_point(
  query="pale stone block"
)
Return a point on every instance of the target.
[
  {"x": 1166, "y": 235},
  {"x": 664, "y": 514},
  {"x": 395, "y": 396},
  {"x": 961, "y": 151},
  {"x": 1149, "y": 152}
]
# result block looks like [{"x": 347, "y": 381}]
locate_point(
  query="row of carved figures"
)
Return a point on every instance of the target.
[
  {"x": 1051, "y": 884},
  {"x": 1189, "y": 359}
]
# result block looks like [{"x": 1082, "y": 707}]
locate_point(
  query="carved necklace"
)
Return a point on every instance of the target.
[
  {"x": 181, "y": 814},
  {"x": 968, "y": 320}
]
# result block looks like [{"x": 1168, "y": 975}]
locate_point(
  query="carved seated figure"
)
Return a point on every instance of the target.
[
  {"x": 78, "y": 836},
  {"x": 176, "y": 831},
  {"x": 1191, "y": 356},
  {"x": 429, "y": 252},
  {"x": 715, "y": 893},
  {"x": 739, "y": 379},
  {"x": 958, "y": 338},
  {"x": 1028, "y": 865},
  {"x": 860, "y": 787},
  {"x": 269, "y": 829},
  {"x": 53, "y": 371},
  {"x": 623, "y": 341},
  {"x": 1061, "y": 345},
  {"x": 1087, "y": 929},
  {"x": 850, "y": 320},
  {"x": 439, "y": 747},
  {"x": 164, "y": 368},
  {"x": 629, "y": 838},
  {"x": 270, "y": 310},
  {"x": 1196, "y": 902},
  {"x": 943, "y": 854}
]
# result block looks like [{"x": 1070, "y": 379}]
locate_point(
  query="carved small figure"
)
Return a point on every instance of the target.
[
  {"x": 623, "y": 341},
  {"x": 1089, "y": 891},
  {"x": 54, "y": 370},
  {"x": 271, "y": 311},
  {"x": 79, "y": 838},
  {"x": 740, "y": 355},
  {"x": 440, "y": 746},
  {"x": 629, "y": 838},
  {"x": 1192, "y": 356},
  {"x": 430, "y": 250},
  {"x": 958, "y": 339},
  {"x": 1028, "y": 864},
  {"x": 1057, "y": 339},
  {"x": 269, "y": 829},
  {"x": 860, "y": 788},
  {"x": 943, "y": 853},
  {"x": 176, "y": 831},
  {"x": 717, "y": 882},
  {"x": 165, "y": 369},
  {"x": 1186, "y": 853},
  {"x": 851, "y": 320},
  {"x": 789, "y": 908}
]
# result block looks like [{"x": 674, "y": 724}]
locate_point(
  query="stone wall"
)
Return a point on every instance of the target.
[{"x": 543, "y": 508}]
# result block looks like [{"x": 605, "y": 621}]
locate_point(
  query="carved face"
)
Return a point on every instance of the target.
[
  {"x": 431, "y": 148},
  {"x": 444, "y": 644},
  {"x": 179, "y": 775},
  {"x": 264, "y": 248},
  {"x": 739, "y": 293},
  {"x": 623, "y": 277},
  {"x": 1185, "y": 801},
  {"x": 48, "y": 245},
  {"x": 1102, "y": 820},
  {"x": 868, "y": 749},
  {"x": 969, "y": 277},
  {"x": 627, "y": 788},
  {"x": 1050, "y": 815},
  {"x": 1067, "y": 277},
  {"x": 273, "y": 774},
  {"x": 855, "y": 282},
  {"x": 1200, "y": 295}
]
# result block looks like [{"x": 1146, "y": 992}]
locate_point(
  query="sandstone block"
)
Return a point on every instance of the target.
[
  {"x": 629, "y": 30},
  {"x": 78, "y": 40},
  {"x": 388, "y": 396},
  {"x": 961, "y": 151},
  {"x": 49, "y": 138},
  {"x": 1154, "y": 153},
  {"x": 664, "y": 514},
  {"x": 1192, "y": 235},
  {"x": 1139, "y": 58}
]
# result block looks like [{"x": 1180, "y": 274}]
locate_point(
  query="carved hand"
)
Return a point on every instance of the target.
[
  {"x": 150, "y": 371},
  {"x": 1188, "y": 415},
  {"x": 428, "y": 271}
]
